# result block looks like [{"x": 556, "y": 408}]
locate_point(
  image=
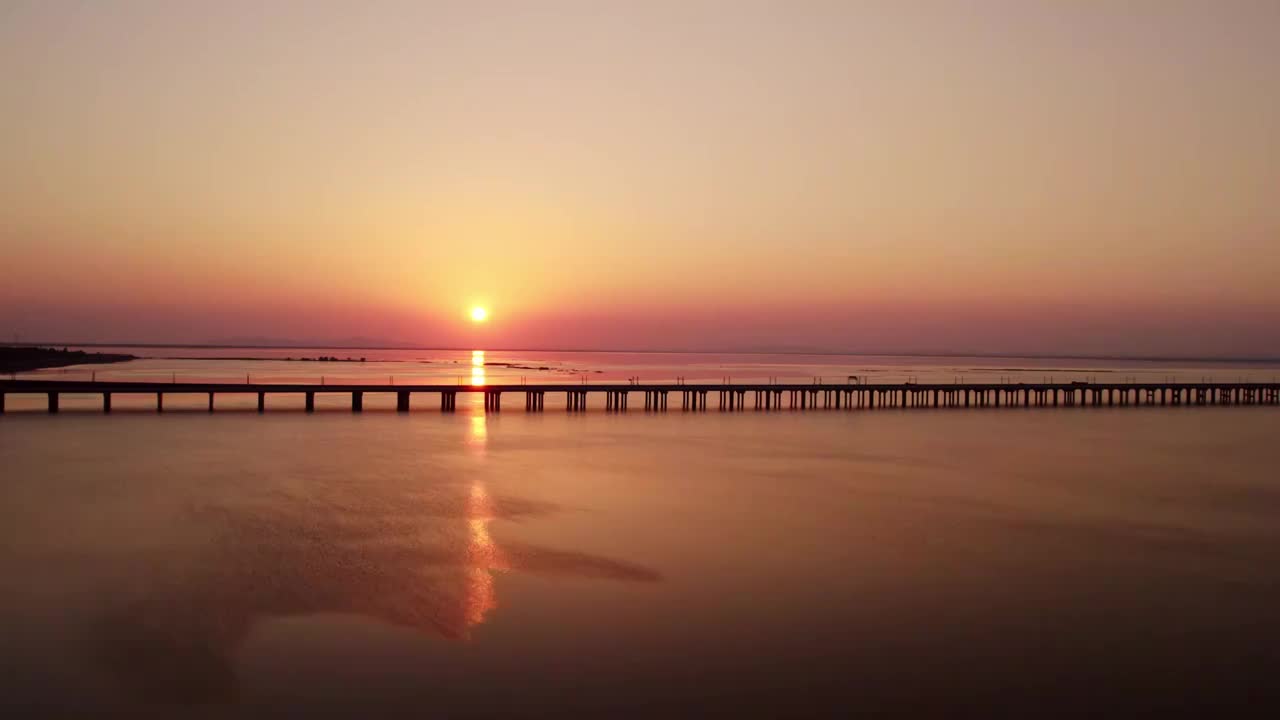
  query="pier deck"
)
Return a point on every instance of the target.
[{"x": 699, "y": 396}]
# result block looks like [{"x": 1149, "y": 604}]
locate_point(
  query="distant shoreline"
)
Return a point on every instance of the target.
[
  {"x": 823, "y": 353},
  {"x": 14, "y": 359}
]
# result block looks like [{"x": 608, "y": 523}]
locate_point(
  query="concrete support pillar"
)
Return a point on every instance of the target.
[
  {"x": 159, "y": 402},
  {"x": 53, "y": 402},
  {"x": 106, "y": 402},
  {"x": 402, "y": 401},
  {"x": 357, "y": 401},
  {"x": 210, "y": 402},
  {"x": 311, "y": 401},
  {"x": 262, "y": 402}
]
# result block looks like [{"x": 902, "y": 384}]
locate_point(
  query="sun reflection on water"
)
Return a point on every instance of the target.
[
  {"x": 483, "y": 554},
  {"x": 483, "y": 557},
  {"x": 479, "y": 434},
  {"x": 477, "y": 367}
]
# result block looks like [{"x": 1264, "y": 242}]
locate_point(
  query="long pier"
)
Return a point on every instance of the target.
[{"x": 696, "y": 397}]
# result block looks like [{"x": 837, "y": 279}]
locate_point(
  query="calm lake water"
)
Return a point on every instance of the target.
[{"x": 1006, "y": 561}]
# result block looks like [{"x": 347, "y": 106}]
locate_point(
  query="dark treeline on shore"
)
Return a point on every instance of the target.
[{"x": 23, "y": 359}]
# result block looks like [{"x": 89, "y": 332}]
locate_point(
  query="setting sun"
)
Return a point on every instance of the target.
[{"x": 478, "y": 314}]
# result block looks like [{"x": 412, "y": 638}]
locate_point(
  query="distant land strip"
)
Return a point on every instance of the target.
[
  {"x": 23, "y": 359},
  {"x": 1261, "y": 359}
]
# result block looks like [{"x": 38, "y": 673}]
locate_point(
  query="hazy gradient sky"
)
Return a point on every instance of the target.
[{"x": 1020, "y": 176}]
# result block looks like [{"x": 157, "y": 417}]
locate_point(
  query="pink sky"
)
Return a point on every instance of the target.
[{"x": 993, "y": 177}]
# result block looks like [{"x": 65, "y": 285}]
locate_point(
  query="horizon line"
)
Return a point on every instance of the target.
[{"x": 922, "y": 354}]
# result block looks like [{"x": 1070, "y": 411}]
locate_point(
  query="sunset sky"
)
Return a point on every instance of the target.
[{"x": 996, "y": 177}]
